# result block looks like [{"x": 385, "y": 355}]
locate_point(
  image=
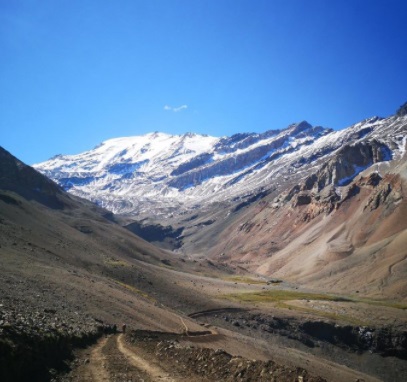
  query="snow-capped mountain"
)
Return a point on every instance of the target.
[{"x": 166, "y": 174}]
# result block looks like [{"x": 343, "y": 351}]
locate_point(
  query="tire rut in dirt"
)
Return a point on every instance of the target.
[
  {"x": 118, "y": 366},
  {"x": 143, "y": 362}
]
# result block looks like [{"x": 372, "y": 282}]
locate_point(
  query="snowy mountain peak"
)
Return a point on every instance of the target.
[{"x": 161, "y": 173}]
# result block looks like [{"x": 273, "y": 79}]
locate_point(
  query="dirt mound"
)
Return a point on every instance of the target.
[{"x": 213, "y": 365}]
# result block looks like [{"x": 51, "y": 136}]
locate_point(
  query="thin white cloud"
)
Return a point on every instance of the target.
[
  {"x": 175, "y": 109},
  {"x": 182, "y": 107}
]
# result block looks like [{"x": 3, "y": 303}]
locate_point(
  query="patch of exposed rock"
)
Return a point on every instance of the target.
[
  {"x": 402, "y": 110},
  {"x": 385, "y": 341},
  {"x": 388, "y": 192},
  {"x": 215, "y": 365},
  {"x": 348, "y": 163},
  {"x": 35, "y": 342},
  {"x": 316, "y": 200}
]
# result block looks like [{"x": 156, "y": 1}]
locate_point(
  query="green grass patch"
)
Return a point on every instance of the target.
[
  {"x": 135, "y": 290},
  {"x": 280, "y": 295},
  {"x": 385, "y": 303},
  {"x": 244, "y": 280},
  {"x": 116, "y": 263},
  {"x": 279, "y": 298},
  {"x": 330, "y": 315}
]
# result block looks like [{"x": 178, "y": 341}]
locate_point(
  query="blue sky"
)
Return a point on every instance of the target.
[{"x": 75, "y": 73}]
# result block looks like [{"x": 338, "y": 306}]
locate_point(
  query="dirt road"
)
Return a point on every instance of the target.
[
  {"x": 153, "y": 371},
  {"x": 111, "y": 359}
]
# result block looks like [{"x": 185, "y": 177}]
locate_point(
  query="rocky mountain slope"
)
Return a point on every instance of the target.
[{"x": 353, "y": 243}]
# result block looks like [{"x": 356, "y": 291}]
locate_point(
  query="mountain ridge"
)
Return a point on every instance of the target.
[{"x": 161, "y": 174}]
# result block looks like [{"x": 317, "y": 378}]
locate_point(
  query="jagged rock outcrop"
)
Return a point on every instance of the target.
[
  {"x": 388, "y": 192},
  {"x": 402, "y": 111},
  {"x": 319, "y": 191},
  {"x": 348, "y": 162}
]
